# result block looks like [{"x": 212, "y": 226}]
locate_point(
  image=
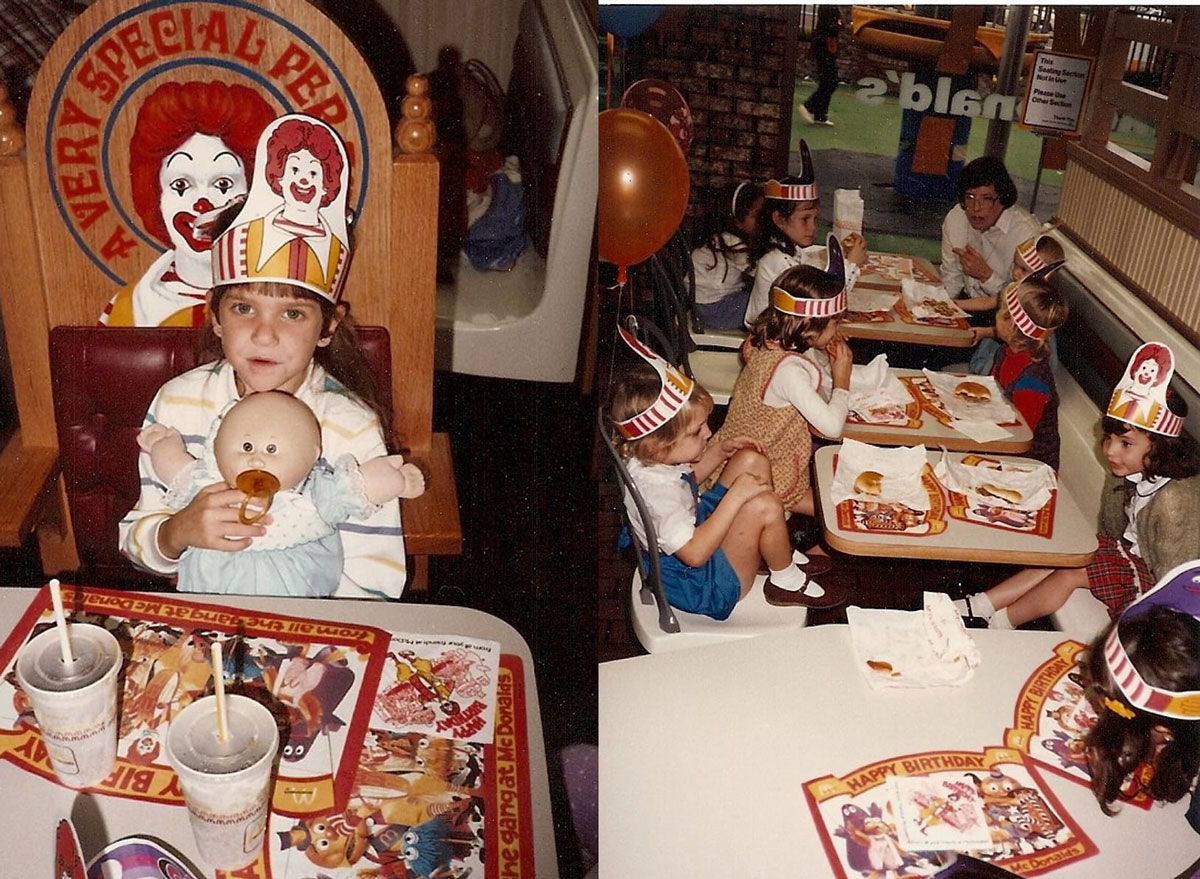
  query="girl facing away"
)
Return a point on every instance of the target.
[
  {"x": 1143, "y": 679},
  {"x": 710, "y": 544},
  {"x": 1148, "y": 514},
  {"x": 722, "y": 264},
  {"x": 275, "y": 323},
  {"x": 787, "y": 225}
]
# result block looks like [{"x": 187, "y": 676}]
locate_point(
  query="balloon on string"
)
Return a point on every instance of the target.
[
  {"x": 643, "y": 186},
  {"x": 664, "y": 102},
  {"x": 626, "y": 22}
]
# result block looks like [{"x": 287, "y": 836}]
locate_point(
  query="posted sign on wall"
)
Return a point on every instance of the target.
[{"x": 1055, "y": 93}]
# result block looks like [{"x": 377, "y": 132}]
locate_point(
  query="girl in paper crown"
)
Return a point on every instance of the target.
[
  {"x": 787, "y": 224},
  {"x": 781, "y": 390},
  {"x": 267, "y": 446},
  {"x": 722, "y": 264},
  {"x": 709, "y": 544},
  {"x": 275, "y": 323},
  {"x": 1143, "y": 675},
  {"x": 1148, "y": 514}
]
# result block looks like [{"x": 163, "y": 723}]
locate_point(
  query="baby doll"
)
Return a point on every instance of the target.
[{"x": 268, "y": 445}]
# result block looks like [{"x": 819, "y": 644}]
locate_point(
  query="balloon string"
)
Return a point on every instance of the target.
[{"x": 611, "y": 44}]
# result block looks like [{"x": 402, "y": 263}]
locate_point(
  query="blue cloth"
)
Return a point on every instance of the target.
[
  {"x": 496, "y": 240},
  {"x": 983, "y": 356},
  {"x": 726, "y": 313}
]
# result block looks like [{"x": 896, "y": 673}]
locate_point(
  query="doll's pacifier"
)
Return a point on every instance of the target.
[{"x": 256, "y": 485}]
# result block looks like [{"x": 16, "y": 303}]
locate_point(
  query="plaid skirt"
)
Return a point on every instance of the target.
[{"x": 1117, "y": 576}]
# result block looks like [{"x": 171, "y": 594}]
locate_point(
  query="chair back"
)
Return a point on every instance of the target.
[{"x": 104, "y": 381}]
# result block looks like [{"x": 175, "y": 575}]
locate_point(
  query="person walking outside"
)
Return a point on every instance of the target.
[{"x": 815, "y": 111}]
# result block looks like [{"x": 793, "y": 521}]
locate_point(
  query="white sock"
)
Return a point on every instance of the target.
[
  {"x": 792, "y": 579},
  {"x": 981, "y": 606},
  {"x": 1000, "y": 620}
]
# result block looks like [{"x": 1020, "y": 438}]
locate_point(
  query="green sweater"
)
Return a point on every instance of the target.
[{"x": 1168, "y": 527}]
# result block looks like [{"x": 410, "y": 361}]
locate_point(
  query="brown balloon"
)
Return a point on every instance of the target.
[{"x": 643, "y": 186}]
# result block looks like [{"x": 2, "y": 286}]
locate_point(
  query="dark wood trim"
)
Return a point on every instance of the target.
[
  {"x": 787, "y": 89},
  {"x": 1143, "y": 102},
  {"x": 1172, "y": 320},
  {"x": 1174, "y": 204},
  {"x": 1143, "y": 30}
]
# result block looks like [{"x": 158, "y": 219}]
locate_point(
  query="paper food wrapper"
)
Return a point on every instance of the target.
[
  {"x": 890, "y": 266},
  {"x": 924, "y": 648},
  {"x": 900, "y": 470},
  {"x": 928, "y": 300},
  {"x": 847, "y": 212},
  {"x": 1003, "y": 485},
  {"x": 876, "y": 392},
  {"x": 996, "y": 410},
  {"x": 866, "y": 301}
]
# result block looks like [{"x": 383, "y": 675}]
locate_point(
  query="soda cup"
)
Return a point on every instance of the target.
[
  {"x": 226, "y": 784},
  {"x": 75, "y": 703}
]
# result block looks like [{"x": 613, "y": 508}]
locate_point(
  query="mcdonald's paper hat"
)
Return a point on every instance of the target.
[
  {"x": 675, "y": 391},
  {"x": 292, "y": 226},
  {"x": 1179, "y": 590},
  {"x": 802, "y": 188},
  {"x": 1140, "y": 397},
  {"x": 802, "y": 306},
  {"x": 1027, "y": 251}
]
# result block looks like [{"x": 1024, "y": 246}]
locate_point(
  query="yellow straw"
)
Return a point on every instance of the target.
[
  {"x": 219, "y": 676},
  {"x": 60, "y": 623}
]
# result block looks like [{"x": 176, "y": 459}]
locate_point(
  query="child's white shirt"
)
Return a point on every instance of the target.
[
  {"x": 1143, "y": 492},
  {"x": 775, "y": 262},
  {"x": 669, "y": 502},
  {"x": 373, "y": 547},
  {"x": 802, "y": 382},
  {"x": 720, "y": 274}
]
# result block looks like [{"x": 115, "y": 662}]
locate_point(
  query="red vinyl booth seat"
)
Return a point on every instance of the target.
[{"x": 104, "y": 379}]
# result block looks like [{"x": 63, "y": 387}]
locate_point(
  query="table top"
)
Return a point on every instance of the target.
[
  {"x": 895, "y": 329},
  {"x": 932, "y": 432},
  {"x": 1071, "y": 544},
  {"x": 696, "y": 742},
  {"x": 101, "y": 819}
]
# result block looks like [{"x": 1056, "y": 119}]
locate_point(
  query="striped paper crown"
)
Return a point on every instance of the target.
[
  {"x": 1179, "y": 590},
  {"x": 292, "y": 226},
  {"x": 1020, "y": 317},
  {"x": 802, "y": 306},
  {"x": 675, "y": 391},
  {"x": 1140, "y": 397},
  {"x": 802, "y": 188}
]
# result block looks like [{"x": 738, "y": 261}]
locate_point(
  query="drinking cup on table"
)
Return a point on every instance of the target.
[
  {"x": 75, "y": 703},
  {"x": 226, "y": 784}
]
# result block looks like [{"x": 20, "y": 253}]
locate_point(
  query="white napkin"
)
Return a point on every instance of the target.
[
  {"x": 980, "y": 431},
  {"x": 997, "y": 410},
  {"x": 867, "y": 301},
  {"x": 890, "y": 266},
  {"x": 1032, "y": 483},
  {"x": 928, "y": 300},
  {"x": 900, "y": 468},
  {"x": 925, "y": 648},
  {"x": 847, "y": 212},
  {"x": 876, "y": 394}
]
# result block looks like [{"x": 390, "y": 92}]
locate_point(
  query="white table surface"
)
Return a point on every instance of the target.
[
  {"x": 897, "y": 330},
  {"x": 703, "y": 754},
  {"x": 1071, "y": 543},
  {"x": 30, "y": 807}
]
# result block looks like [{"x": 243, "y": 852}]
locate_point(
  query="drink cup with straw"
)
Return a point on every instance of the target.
[
  {"x": 70, "y": 675},
  {"x": 223, "y": 749}
]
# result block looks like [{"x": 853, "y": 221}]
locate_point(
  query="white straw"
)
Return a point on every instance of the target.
[
  {"x": 60, "y": 623},
  {"x": 219, "y": 676}
]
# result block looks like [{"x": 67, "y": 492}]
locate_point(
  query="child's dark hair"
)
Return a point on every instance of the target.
[
  {"x": 342, "y": 358},
  {"x": 791, "y": 332},
  {"x": 741, "y": 199},
  {"x": 1046, "y": 307},
  {"x": 1176, "y": 457},
  {"x": 635, "y": 391},
  {"x": 770, "y": 236},
  {"x": 1164, "y": 646},
  {"x": 1049, "y": 249}
]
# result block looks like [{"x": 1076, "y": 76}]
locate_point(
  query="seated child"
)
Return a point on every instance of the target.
[
  {"x": 709, "y": 545},
  {"x": 787, "y": 225},
  {"x": 1148, "y": 514},
  {"x": 1044, "y": 256},
  {"x": 267, "y": 446},
  {"x": 1143, "y": 676},
  {"x": 781, "y": 390},
  {"x": 722, "y": 264}
]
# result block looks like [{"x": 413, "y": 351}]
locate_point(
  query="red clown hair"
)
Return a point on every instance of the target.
[
  {"x": 1159, "y": 354},
  {"x": 174, "y": 112},
  {"x": 296, "y": 134}
]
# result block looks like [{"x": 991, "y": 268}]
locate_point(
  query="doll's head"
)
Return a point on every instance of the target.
[
  {"x": 1028, "y": 314},
  {"x": 267, "y": 442}
]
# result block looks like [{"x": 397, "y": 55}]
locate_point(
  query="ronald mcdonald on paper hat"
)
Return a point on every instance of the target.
[
  {"x": 292, "y": 226},
  {"x": 1140, "y": 397}
]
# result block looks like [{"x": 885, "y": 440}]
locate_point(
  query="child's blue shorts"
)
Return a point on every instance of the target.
[{"x": 712, "y": 589}]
